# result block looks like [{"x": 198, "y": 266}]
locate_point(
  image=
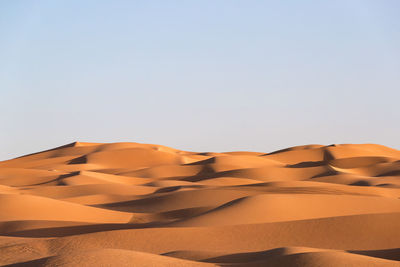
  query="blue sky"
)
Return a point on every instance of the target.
[{"x": 199, "y": 75}]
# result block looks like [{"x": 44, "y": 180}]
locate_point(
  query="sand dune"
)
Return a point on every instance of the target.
[{"x": 130, "y": 204}]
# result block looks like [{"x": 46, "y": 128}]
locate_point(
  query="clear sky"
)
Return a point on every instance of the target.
[{"x": 199, "y": 75}]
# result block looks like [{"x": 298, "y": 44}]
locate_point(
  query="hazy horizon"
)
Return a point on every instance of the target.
[{"x": 200, "y": 76}]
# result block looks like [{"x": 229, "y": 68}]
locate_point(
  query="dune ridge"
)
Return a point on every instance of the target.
[{"x": 132, "y": 204}]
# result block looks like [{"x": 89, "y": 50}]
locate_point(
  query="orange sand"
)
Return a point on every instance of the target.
[{"x": 130, "y": 204}]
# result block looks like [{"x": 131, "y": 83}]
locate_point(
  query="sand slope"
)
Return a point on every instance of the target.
[{"x": 130, "y": 204}]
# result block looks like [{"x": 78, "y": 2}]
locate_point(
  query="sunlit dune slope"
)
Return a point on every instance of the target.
[{"x": 130, "y": 204}]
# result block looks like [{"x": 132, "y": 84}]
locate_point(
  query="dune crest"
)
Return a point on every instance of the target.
[{"x": 132, "y": 204}]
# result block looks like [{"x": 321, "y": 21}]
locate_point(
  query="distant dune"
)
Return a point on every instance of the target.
[{"x": 131, "y": 204}]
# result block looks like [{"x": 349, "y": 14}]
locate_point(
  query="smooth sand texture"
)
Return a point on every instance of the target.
[{"x": 130, "y": 204}]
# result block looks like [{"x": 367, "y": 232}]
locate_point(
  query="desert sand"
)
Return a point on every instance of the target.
[{"x": 131, "y": 204}]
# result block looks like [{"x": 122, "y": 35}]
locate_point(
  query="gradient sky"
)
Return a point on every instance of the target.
[{"x": 199, "y": 75}]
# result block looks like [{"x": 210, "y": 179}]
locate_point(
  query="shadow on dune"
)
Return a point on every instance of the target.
[
  {"x": 389, "y": 254},
  {"x": 38, "y": 262},
  {"x": 80, "y": 229},
  {"x": 273, "y": 256},
  {"x": 78, "y": 160}
]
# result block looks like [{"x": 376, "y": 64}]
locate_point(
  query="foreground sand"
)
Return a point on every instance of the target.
[{"x": 129, "y": 204}]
